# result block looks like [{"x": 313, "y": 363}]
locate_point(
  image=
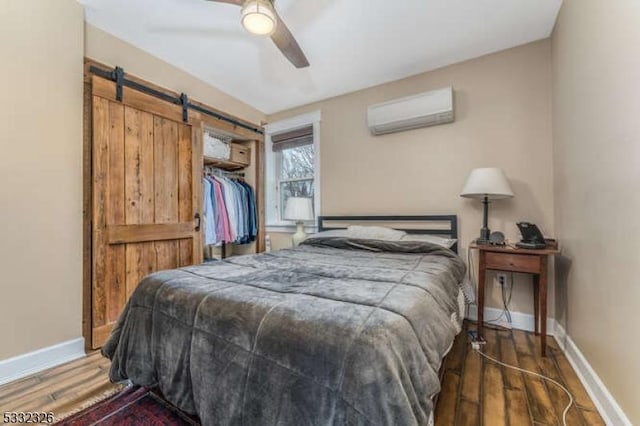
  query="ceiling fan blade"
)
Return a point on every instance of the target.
[
  {"x": 236, "y": 2},
  {"x": 288, "y": 45},
  {"x": 282, "y": 38}
]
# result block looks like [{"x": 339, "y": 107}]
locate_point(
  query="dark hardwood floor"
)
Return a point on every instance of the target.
[{"x": 475, "y": 391}]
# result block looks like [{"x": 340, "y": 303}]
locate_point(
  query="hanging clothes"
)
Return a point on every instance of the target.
[
  {"x": 208, "y": 214},
  {"x": 251, "y": 219},
  {"x": 221, "y": 217},
  {"x": 229, "y": 213},
  {"x": 240, "y": 194},
  {"x": 253, "y": 212}
]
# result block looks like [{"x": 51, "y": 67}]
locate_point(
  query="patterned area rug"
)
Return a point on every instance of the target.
[{"x": 132, "y": 406}]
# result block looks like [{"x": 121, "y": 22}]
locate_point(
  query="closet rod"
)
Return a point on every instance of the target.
[
  {"x": 117, "y": 75},
  {"x": 212, "y": 170}
]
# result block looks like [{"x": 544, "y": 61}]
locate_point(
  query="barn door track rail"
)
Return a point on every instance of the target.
[{"x": 117, "y": 75}]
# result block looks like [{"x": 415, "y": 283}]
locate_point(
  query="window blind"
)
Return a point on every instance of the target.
[{"x": 292, "y": 139}]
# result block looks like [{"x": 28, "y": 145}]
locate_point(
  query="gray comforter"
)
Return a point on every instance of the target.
[{"x": 336, "y": 331}]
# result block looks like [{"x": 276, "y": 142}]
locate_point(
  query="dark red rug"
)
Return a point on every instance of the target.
[{"x": 132, "y": 406}]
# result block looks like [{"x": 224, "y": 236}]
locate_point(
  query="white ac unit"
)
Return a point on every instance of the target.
[{"x": 422, "y": 110}]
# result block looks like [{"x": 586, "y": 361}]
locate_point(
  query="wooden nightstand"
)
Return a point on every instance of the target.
[{"x": 505, "y": 258}]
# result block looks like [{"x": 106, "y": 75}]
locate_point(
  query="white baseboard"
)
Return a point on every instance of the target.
[
  {"x": 22, "y": 365},
  {"x": 602, "y": 398},
  {"x": 519, "y": 320},
  {"x": 607, "y": 406}
]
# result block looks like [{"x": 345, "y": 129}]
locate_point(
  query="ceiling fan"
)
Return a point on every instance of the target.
[{"x": 260, "y": 17}]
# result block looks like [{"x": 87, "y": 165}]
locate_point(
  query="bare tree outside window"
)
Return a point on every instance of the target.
[
  {"x": 297, "y": 162},
  {"x": 296, "y": 174}
]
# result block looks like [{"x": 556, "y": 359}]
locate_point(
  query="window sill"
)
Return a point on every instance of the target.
[{"x": 290, "y": 229}]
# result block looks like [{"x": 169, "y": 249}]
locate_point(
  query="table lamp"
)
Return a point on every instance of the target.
[
  {"x": 299, "y": 209},
  {"x": 487, "y": 184}
]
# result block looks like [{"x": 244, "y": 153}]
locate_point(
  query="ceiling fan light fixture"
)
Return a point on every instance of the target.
[{"x": 258, "y": 17}]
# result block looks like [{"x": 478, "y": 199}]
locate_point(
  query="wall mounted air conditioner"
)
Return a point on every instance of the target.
[{"x": 412, "y": 112}]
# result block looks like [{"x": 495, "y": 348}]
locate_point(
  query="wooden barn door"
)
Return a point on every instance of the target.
[{"x": 146, "y": 192}]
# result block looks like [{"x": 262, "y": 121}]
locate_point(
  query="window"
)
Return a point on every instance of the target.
[
  {"x": 292, "y": 167},
  {"x": 294, "y": 159}
]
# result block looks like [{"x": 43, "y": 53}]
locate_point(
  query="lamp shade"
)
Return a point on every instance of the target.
[
  {"x": 298, "y": 208},
  {"x": 487, "y": 182}
]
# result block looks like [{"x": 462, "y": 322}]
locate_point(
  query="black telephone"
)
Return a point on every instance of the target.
[{"x": 531, "y": 236}]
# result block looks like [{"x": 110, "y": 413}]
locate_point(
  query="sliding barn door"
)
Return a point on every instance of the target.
[{"x": 145, "y": 197}]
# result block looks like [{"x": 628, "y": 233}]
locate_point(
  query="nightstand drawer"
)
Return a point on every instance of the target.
[{"x": 513, "y": 262}]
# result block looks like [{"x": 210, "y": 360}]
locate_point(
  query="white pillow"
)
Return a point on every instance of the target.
[
  {"x": 375, "y": 233},
  {"x": 331, "y": 233},
  {"x": 434, "y": 239}
]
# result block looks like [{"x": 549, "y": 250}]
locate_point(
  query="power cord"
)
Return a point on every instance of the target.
[
  {"x": 505, "y": 311},
  {"x": 506, "y": 301},
  {"x": 476, "y": 347},
  {"x": 496, "y": 319}
]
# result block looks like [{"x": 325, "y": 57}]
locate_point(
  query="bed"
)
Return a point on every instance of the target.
[{"x": 340, "y": 330}]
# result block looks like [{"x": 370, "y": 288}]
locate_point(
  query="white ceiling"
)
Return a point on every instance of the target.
[{"x": 351, "y": 44}]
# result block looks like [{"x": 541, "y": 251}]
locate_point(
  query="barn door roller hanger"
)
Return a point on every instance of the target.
[{"x": 117, "y": 75}]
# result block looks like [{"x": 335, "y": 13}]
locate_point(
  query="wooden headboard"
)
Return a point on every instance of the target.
[{"x": 443, "y": 225}]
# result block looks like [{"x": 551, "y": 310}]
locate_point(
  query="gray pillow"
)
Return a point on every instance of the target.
[
  {"x": 434, "y": 239},
  {"x": 329, "y": 234},
  {"x": 363, "y": 232},
  {"x": 375, "y": 233}
]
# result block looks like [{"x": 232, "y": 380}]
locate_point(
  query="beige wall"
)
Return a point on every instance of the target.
[
  {"x": 41, "y": 174},
  {"x": 596, "y": 104},
  {"x": 104, "y": 47},
  {"x": 503, "y": 119}
]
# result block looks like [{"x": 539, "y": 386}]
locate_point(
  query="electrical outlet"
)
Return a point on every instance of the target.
[{"x": 501, "y": 279}]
